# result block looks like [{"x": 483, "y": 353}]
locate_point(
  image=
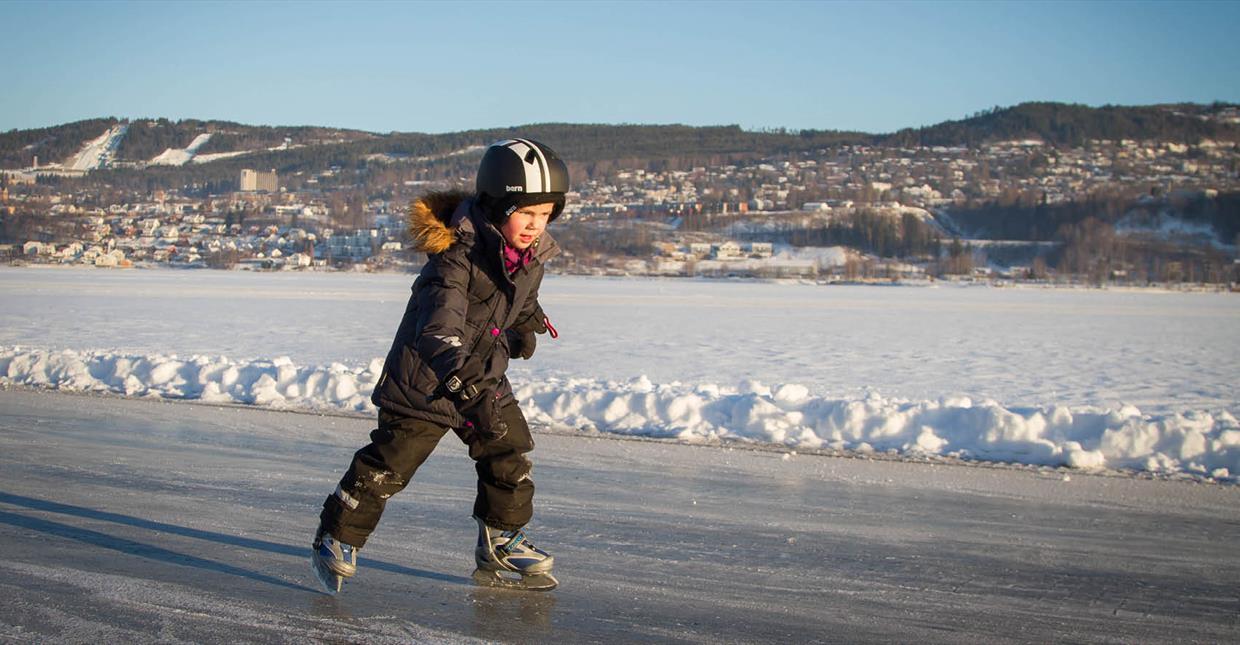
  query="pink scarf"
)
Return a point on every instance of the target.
[{"x": 515, "y": 259}]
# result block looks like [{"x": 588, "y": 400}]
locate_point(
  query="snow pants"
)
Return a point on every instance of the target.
[{"x": 382, "y": 468}]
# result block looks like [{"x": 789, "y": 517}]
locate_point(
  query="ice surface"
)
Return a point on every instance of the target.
[
  {"x": 142, "y": 521},
  {"x": 1087, "y": 379}
]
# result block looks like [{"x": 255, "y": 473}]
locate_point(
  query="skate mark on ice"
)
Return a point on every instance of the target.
[{"x": 297, "y": 551}]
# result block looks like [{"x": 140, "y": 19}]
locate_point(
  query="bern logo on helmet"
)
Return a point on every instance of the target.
[
  {"x": 510, "y": 211},
  {"x": 514, "y": 189}
]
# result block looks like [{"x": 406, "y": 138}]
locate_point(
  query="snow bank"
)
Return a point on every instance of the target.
[
  {"x": 823, "y": 256},
  {"x": 1200, "y": 443},
  {"x": 276, "y": 383}
]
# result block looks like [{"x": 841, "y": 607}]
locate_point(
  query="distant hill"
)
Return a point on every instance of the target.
[
  {"x": 149, "y": 138},
  {"x": 18, "y": 148},
  {"x": 213, "y": 150},
  {"x": 1063, "y": 124}
]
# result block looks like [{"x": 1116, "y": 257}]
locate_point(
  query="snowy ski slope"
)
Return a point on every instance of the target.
[{"x": 97, "y": 152}]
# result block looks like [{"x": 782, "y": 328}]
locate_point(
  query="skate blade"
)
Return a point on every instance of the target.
[
  {"x": 532, "y": 582},
  {"x": 328, "y": 580}
]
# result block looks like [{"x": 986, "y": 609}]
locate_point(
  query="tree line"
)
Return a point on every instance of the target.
[
  {"x": 1019, "y": 217},
  {"x": 865, "y": 229},
  {"x": 1072, "y": 125}
]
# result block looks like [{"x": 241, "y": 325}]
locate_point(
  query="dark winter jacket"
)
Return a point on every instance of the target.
[{"x": 463, "y": 302}]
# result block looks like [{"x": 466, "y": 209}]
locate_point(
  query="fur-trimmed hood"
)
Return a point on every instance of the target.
[
  {"x": 432, "y": 229},
  {"x": 429, "y": 218}
]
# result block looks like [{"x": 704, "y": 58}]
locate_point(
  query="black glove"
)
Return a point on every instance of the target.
[
  {"x": 482, "y": 415},
  {"x": 521, "y": 344},
  {"x": 534, "y": 322},
  {"x": 521, "y": 339}
]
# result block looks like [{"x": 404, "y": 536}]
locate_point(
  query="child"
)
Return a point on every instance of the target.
[{"x": 474, "y": 306}]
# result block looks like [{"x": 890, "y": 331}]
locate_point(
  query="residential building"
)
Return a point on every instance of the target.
[{"x": 259, "y": 181}]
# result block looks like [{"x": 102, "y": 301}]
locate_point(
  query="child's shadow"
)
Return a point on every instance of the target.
[{"x": 140, "y": 549}]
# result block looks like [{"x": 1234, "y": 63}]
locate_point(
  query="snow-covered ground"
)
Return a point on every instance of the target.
[
  {"x": 181, "y": 156},
  {"x": 97, "y": 152},
  {"x": 216, "y": 156},
  {"x": 823, "y": 256},
  {"x": 1084, "y": 378}
]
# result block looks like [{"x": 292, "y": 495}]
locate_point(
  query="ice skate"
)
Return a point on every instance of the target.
[
  {"x": 332, "y": 560},
  {"x": 508, "y": 559}
]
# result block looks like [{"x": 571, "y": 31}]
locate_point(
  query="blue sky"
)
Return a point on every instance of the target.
[{"x": 442, "y": 67}]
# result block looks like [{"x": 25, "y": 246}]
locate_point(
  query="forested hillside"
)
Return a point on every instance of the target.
[
  {"x": 598, "y": 148},
  {"x": 18, "y": 148},
  {"x": 1072, "y": 125},
  {"x": 148, "y": 138}
]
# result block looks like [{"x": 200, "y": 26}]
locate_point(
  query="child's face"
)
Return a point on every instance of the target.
[{"x": 526, "y": 224}]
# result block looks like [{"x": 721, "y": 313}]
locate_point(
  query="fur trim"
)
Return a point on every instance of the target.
[{"x": 429, "y": 217}]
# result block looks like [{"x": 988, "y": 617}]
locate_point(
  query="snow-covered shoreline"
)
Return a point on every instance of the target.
[
  {"x": 1199, "y": 443},
  {"x": 1135, "y": 380},
  {"x": 909, "y": 283}
]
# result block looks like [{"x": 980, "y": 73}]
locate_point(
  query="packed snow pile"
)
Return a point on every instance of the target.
[
  {"x": 276, "y": 383},
  {"x": 1200, "y": 443}
]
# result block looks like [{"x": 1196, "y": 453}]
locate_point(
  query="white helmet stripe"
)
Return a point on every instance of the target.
[
  {"x": 537, "y": 177},
  {"x": 544, "y": 177}
]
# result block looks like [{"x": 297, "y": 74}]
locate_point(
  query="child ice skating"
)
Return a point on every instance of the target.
[{"x": 474, "y": 306}]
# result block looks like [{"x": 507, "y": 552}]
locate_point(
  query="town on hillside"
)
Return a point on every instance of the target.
[{"x": 1127, "y": 211}]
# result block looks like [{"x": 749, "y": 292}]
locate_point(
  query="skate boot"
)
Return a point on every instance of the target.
[
  {"x": 508, "y": 559},
  {"x": 332, "y": 560}
]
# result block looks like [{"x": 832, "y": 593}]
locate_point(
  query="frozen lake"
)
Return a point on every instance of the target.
[
  {"x": 1162, "y": 352},
  {"x": 147, "y": 521},
  {"x": 1139, "y": 380}
]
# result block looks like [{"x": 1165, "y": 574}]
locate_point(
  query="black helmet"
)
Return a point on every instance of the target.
[{"x": 520, "y": 172}]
